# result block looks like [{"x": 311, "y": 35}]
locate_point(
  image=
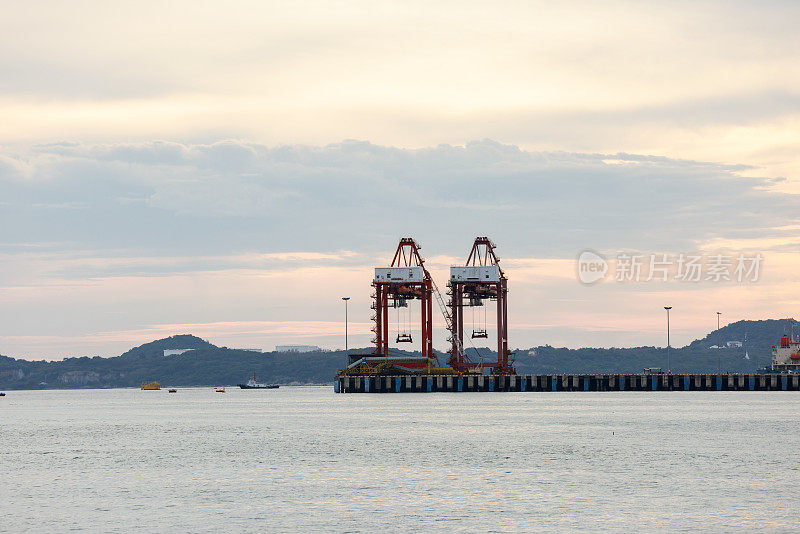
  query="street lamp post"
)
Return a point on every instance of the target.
[
  {"x": 719, "y": 346},
  {"x": 345, "y": 299},
  {"x": 668, "y": 308}
]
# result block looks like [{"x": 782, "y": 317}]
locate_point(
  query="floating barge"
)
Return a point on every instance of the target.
[{"x": 593, "y": 382}]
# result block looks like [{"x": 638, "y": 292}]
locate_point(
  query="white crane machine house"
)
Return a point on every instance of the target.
[
  {"x": 475, "y": 273},
  {"x": 399, "y": 274}
]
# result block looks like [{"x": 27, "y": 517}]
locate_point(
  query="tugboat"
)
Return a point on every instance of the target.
[
  {"x": 253, "y": 384},
  {"x": 151, "y": 386},
  {"x": 786, "y": 358}
]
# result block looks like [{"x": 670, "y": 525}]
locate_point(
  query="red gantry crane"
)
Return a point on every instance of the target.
[
  {"x": 479, "y": 280},
  {"x": 406, "y": 279}
]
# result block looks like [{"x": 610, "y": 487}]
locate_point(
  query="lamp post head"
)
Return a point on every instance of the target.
[
  {"x": 345, "y": 298},
  {"x": 667, "y": 307}
]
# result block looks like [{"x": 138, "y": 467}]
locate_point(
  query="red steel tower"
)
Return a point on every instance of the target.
[{"x": 479, "y": 280}]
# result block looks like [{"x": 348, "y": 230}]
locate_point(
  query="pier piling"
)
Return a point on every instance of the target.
[{"x": 562, "y": 383}]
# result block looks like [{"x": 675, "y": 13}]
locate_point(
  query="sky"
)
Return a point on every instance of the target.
[{"x": 233, "y": 169}]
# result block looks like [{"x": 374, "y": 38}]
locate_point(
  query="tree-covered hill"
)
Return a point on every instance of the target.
[
  {"x": 757, "y": 338},
  {"x": 754, "y": 334},
  {"x": 155, "y": 349},
  {"x": 207, "y": 365}
]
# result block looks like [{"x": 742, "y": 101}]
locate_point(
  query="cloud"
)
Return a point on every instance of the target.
[
  {"x": 12, "y": 168},
  {"x": 670, "y": 78},
  {"x": 68, "y": 266},
  {"x": 234, "y": 196}
]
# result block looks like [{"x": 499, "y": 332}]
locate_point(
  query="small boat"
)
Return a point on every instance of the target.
[
  {"x": 172, "y": 390},
  {"x": 220, "y": 390},
  {"x": 253, "y": 384},
  {"x": 150, "y": 386}
]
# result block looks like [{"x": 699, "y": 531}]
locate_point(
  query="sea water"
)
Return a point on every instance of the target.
[{"x": 307, "y": 459}]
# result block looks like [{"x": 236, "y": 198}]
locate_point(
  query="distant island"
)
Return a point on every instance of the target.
[{"x": 187, "y": 360}]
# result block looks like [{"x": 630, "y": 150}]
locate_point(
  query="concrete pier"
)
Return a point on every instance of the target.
[{"x": 598, "y": 382}]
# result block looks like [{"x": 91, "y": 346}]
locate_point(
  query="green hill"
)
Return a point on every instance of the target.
[
  {"x": 754, "y": 334},
  {"x": 204, "y": 365},
  {"x": 155, "y": 349},
  {"x": 757, "y": 338}
]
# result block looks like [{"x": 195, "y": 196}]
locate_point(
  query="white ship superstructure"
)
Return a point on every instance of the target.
[{"x": 786, "y": 357}]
